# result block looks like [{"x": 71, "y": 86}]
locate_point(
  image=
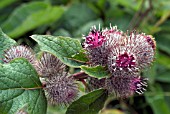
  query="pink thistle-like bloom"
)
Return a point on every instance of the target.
[
  {"x": 125, "y": 86},
  {"x": 125, "y": 55},
  {"x": 130, "y": 54},
  {"x": 94, "y": 39},
  {"x": 95, "y": 44},
  {"x": 98, "y": 52},
  {"x": 19, "y": 51},
  {"x": 61, "y": 89}
]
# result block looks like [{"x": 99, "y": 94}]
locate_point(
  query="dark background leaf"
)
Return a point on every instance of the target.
[{"x": 90, "y": 103}]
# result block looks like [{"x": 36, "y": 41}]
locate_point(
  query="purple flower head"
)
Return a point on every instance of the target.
[
  {"x": 130, "y": 53},
  {"x": 49, "y": 65},
  {"x": 125, "y": 55},
  {"x": 125, "y": 86},
  {"x": 122, "y": 64},
  {"x": 94, "y": 39},
  {"x": 61, "y": 89},
  {"x": 98, "y": 55},
  {"x": 19, "y": 51},
  {"x": 143, "y": 49}
]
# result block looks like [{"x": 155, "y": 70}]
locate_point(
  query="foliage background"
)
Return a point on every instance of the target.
[{"x": 21, "y": 18}]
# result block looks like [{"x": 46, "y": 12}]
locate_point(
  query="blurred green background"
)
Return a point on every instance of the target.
[{"x": 21, "y": 18}]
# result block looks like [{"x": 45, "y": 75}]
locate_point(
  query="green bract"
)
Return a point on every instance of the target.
[{"x": 96, "y": 71}]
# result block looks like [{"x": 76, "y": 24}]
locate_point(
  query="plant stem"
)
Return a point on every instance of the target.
[{"x": 79, "y": 76}]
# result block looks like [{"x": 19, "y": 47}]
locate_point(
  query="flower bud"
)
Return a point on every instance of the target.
[
  {"x": 19, "y": 51},
  {"x": 49, "y": 65},
  {"x": 61, "y": 89}
]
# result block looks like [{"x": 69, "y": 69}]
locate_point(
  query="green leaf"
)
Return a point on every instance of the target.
[
  {"x": 81, "y": 56},
  {"x": 61, "y": 32},
  {"x": 97, "y": 71},
  {"x": 62, "y": 47},
  {"x": 5, "y": 43},
  {"x": 84, "y": 29},
  {"x": 163, "y": 60},
  {"x": 25, "y": 17},
  {"x": 90, "y": 103},
  {"x": 77, "y": 15},
  {"x": 157, "y": 101},
  {"x": 163, "y": 42},
  {"x": 20, "y": 87},
  {"x": 55, "y": 110},
  {"x": 4, "y": 3},
  {"x": 71, "y": 62},
  {"x": 163, "y": 73},
  {"x": 164, "y": 76},
  {"x": 135, "y": 5}
]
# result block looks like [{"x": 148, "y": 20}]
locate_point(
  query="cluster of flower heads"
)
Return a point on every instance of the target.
[
  {"x": 61, "y": 88},
  {"x": 124, "y": 54}
]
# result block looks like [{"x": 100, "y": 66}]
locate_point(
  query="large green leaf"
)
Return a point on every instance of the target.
[
  {"x": 97, "y": 71},
  {"x": 29, "y": 16},
  {"x": 20, "y": 87},
  {"x": 157, "y": 101},
  {"x": 90, "y": 103},
  {"x": 4, "y": 3},
  {"x": 62, "y": 47},
  {"x": 5, "y": 43}
]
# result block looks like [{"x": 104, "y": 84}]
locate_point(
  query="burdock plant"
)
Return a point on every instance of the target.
[{"x": 110, "y": 63}]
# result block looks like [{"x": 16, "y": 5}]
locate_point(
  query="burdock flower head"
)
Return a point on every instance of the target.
[
  {"x": 19, "y": 51},
  {"x": 124, "y": 54},
  {"x": 61, "y": 89},
  {"x": 49, "y": 65},
  {"x": 96, "y": 46},
  {"x": 131, "y": 53},
  {"x": 125, "y": 86}
]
